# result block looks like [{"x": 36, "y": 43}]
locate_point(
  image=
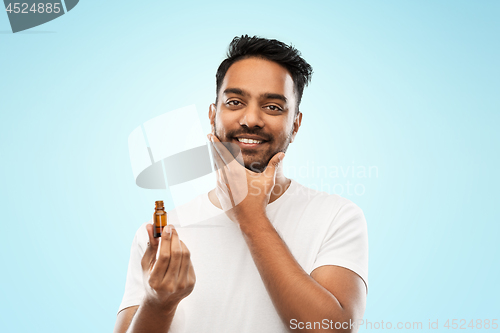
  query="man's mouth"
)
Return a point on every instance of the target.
[{"x": 249, "y": 142}]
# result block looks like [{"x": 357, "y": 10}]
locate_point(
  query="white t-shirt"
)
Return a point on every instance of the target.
[{"x": 229, "y": 294}]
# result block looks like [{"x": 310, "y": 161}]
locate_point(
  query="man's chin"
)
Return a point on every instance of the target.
[{"x": 255, "y": 166}]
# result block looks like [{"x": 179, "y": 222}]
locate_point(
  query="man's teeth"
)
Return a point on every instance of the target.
[{"x": 249, "y": 140}]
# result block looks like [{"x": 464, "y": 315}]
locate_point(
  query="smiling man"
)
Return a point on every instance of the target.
[
  {"x": 258, "y": 109},
  {"x": 272, "y": 255}
]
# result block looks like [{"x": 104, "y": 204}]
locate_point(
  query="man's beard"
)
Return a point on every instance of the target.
[{"x": 260, "y": 164}]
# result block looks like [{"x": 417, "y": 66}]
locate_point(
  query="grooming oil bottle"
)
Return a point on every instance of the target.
[{"x": 159, "y": 218}]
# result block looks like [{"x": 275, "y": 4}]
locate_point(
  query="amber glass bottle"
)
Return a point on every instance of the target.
[{"x": 159, "y": 218}]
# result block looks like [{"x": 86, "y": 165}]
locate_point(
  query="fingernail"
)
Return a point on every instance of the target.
[{"x": 168, "y": 229}]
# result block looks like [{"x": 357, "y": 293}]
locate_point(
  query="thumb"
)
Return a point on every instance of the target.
[{"x": 274, "y": 163}]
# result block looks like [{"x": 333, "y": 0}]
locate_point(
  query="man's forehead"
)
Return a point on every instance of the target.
[{"x": 258, "y": 77}]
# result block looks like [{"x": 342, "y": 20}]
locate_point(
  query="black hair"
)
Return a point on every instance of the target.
[{"x": 271, "y": 49}]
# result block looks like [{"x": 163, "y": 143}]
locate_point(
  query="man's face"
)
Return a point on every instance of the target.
[{"x": 256, "y": 101}]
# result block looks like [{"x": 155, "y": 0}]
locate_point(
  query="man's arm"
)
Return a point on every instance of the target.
[
  {"x": 124, "y": 319},
  {"x": 143, "y": 319},
  {"x": 330, "y": 292}
]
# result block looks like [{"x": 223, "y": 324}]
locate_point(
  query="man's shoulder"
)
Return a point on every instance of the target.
[{"x": 311, "y": 196}]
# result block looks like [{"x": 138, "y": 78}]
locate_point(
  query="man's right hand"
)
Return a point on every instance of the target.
[
  {"x": 167, "y": 280},
  {"x": 170, "y": 277}
]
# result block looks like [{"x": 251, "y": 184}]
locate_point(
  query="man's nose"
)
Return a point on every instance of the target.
[{"x": 252, "y": 116}]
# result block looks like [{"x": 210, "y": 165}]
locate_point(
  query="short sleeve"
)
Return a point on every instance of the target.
[
  {"x": 134, "y": 287},
  {"x": 346, "y": 242}
]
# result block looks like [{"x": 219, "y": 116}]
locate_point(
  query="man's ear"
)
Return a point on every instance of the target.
[
  {"x": 211, "y": 115},
  {"x": 296, "y": 125}
]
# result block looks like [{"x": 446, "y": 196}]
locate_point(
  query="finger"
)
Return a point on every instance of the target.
[
  {"x": 185, "y": 263},
  {"x": 224, "y": 194},
  {"x": 149, "y": 256},
  {"x": 224, "y": 179},
  {"x": 221, "y": 172},
  {"x": 221, "y": 175},
  {"x": 221, "y": 162},
  {"x": 274, "y": 163},
  {"x": 218, "y": 162},
  {"x": 152, "y": 240},
  {"x": 163, "y": 260},
  {"x": 224, "y": 161},
  {"x": 175, "y": 258},
  {"x": 191, "y": 275},
  {"x": 222, "y": 150}
]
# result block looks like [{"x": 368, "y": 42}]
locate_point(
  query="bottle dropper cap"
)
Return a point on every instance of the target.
[{"x": 159, "y": 204}]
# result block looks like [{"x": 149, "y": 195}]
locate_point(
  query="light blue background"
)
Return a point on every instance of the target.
[{"x": 409, "y": 87}]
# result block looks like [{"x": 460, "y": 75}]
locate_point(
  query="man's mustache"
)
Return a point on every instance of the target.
[{"x": 259, "y": 133}]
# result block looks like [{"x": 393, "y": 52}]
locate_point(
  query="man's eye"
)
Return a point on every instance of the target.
[
  {"x": 234, "y": 103},
  {"x": 274, "y": 108}
]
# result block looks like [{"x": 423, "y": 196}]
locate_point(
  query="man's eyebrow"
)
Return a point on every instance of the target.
[
  {"x": 274, "y": 96},
  {"x": 241, "y": 92},
  {"x": 236, "y": 91}
]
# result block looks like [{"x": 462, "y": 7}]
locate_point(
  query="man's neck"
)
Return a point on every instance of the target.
[{"x": 282, "y": 184}]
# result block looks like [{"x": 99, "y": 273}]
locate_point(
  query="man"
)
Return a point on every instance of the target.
[{"x": 278, "y": 256}]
